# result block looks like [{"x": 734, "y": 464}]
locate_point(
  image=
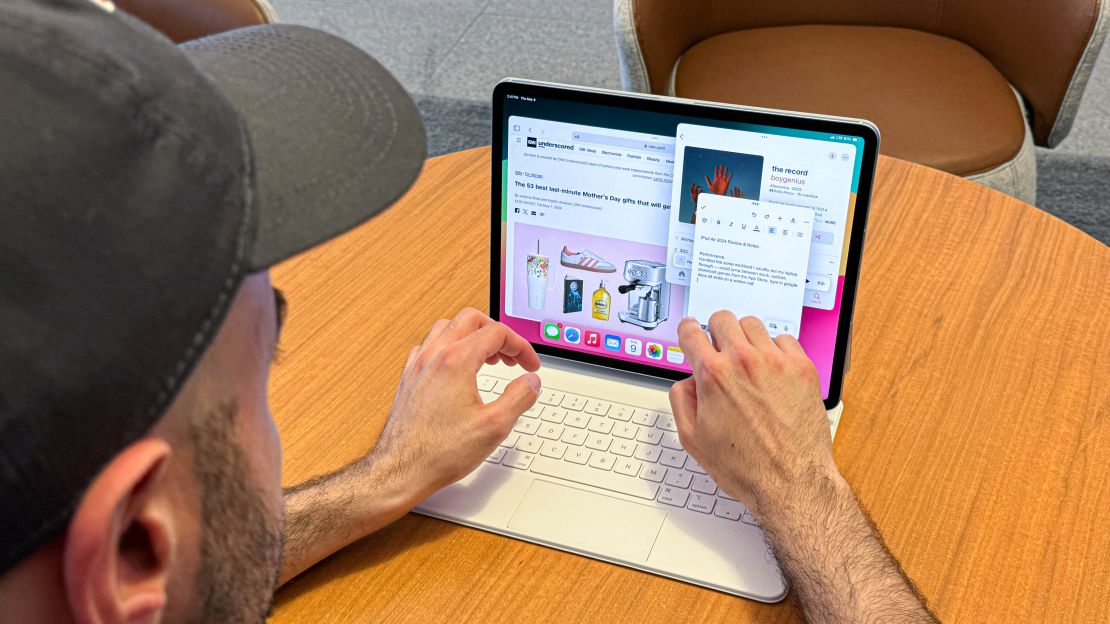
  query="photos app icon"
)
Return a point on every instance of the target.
[{"x": 655, "y": 351}]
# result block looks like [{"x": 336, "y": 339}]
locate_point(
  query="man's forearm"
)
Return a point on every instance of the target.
[
  {"x": 329, "y": 512},
  {"x": 838, "y": 566}
]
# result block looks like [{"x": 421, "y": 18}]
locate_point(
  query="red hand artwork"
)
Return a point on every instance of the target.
[
  {"x": 736, "y": 192},
  {"x": 695, "y": 190},
  {"x": 721, "y": 179}
]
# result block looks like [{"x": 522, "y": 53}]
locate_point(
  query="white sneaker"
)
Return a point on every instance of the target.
[{"x": 585, "y": 260}]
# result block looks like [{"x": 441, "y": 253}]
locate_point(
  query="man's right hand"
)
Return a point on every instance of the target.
[
  {"x": 753, "y": 417},
  {"x": 752, "y": 413}
]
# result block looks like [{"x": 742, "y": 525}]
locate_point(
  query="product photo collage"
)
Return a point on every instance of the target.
[{"x": 599, "y": 294}]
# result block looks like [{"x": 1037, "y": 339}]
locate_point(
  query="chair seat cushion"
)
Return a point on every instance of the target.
[{"x": 936, "y": 101}]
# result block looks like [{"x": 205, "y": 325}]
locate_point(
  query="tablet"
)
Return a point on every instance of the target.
[{"x": 615, "y": 215}]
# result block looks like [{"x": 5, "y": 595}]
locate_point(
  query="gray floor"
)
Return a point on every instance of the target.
[{"x": 450, "y": 53}]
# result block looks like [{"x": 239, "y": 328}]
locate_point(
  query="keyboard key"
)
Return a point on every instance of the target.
[
  {"x": 670, "y": 440},
  {"x": 747, "y": 518},
  {"x": 550, "y": 397},
  {"x": 517, "y": 459},
  {"x": 499, "y": 386},
  {"x": 629, "y": 467},
  {"x": 573, "y": 402},
  {"x": 534, "y": 411},
  {"x": 673, "y": 459},
  {"x": 496, "y": 455},
  {"x": 574, "y": 436},
  {"x": 605, "y": 480},
  {"x": 598, "y": 442},
  {"x": 678, "y": 478},
  {"x": 552, "y": 414},
  {"x": 673, "y": 496},
  {"x": 653, "y": 473},
  {"x": 725, "y": 495},
  {"x": 550, "y": 431},
  {"x": 602, "y": 461},
  {"x": 644, "y": 417},
  {"x": 510, "y": 440},
  {"x": 529, "y": 444},
  {"x": 694, "y": 466},
  {"x": 649, "y": 435},
  {"x": 666, "y": 422},
  {"x": 485, "y": 383},
  {"x": 626, "y": 431},
  {"x": 624, "y": 448},
  {"x": 701, "y": 502},
  {"x": 731, "y": 510},
  {"x": 487, "y": 397},
  {"x": 553, "y": 449},
  {"x": 597, "y": 407},
  {"x": 703, "y": 484},
  {"x": 577, "y": 420},
  {"x": 578, "y": 456},
  {"x": 601, "y": 424},
  {"x": 527, "y": 426},
  {"x": 648, "y": 453},
  {"x": 622, "y": 412}
]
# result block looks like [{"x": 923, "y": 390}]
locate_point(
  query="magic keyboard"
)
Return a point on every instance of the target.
[{"x": 612, "y": 446}]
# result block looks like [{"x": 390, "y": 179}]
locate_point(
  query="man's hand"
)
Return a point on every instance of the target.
[
  {"x": 438, "y": 431},
  {"x": 438, "y": 422},
  {"x": 752, "y": 413},
  {"x": 753, "y": 417}
]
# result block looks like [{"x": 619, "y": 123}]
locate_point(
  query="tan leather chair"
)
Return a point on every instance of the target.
[
  {"x": 938, "y": 78},
  {"x": 182, "y": 20}
]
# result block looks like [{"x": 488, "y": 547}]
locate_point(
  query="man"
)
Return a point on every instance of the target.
[{"x": 145, "y": 192}]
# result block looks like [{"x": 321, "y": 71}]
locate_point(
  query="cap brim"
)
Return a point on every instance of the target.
[{"x": 335, "y": 137}]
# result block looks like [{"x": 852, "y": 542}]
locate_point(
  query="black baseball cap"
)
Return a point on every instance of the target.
[{"x": 140, "y": 182}]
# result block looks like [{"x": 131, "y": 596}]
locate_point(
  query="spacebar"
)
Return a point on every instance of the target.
[{"x": 597, "y": 478}]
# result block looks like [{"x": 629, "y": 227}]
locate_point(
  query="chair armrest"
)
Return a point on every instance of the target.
[
  {"x": 653, "y": 34},
  {"x": 183, "y": 20}
]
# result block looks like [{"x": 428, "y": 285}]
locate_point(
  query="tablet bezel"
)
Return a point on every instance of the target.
[{"x": 694, "y": 110}]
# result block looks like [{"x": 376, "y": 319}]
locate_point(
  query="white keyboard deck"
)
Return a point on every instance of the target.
[{"x": 612, "y": 446}]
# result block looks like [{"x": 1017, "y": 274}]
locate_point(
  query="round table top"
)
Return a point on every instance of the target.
[{"x": 976, "y": 427}]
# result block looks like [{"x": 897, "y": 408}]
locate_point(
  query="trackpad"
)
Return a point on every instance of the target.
[{"x": 586, "y": 521}]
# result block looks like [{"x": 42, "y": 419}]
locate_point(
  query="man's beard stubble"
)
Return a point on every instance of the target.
[{"x": 241, "y": 545}]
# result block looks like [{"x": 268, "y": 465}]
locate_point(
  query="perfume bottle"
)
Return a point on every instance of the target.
[{"x": 602, "y": 299}]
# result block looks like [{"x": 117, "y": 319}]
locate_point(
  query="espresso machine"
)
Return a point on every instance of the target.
[{"x": 649, "y": 294}]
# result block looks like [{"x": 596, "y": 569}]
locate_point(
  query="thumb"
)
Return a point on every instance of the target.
[{"x": 519, "y": 395}]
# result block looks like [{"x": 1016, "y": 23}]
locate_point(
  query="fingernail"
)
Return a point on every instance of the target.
[{"x": 534, "y": 381}]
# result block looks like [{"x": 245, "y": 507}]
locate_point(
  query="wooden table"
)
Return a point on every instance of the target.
[{"x": 976, "y": 430}]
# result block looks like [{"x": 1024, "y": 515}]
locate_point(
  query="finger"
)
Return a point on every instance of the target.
[
  {"x": 790, "y": 345},
  {"x": 756, "y": 332},
  {"x": 708, "y": 184},
  {"x": 412, "y": 358},
  {"x": 726, "y": 331},
  {"x": 728, "y": 178},
  {"x": 466, "y": 322},
  {"x": 435, "y": 331},
  {"x": 519, "y": 395},
  {"x": 695, "y": 344},
  {"x": 496, "y": 339},
  {"x": 684, "y": 406}
]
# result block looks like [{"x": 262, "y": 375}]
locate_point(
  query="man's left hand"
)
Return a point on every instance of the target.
[{"x": 439, "y": 430}]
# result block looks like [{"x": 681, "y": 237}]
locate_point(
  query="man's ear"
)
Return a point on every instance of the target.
[{"x": 121, "y": 543}]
